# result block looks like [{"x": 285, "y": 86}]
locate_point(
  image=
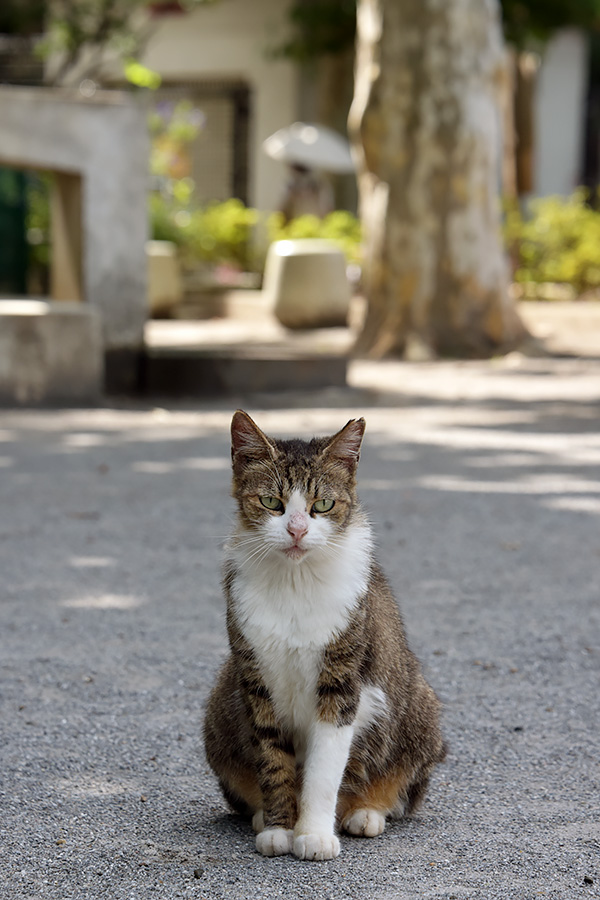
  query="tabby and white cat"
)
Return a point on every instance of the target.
[{"x": 320, "y": 716}]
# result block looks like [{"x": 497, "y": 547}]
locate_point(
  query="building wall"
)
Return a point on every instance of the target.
[
  {"x": 229, "y": 40},
  {"x": 94, "y": 146},
  {"x": 559, "y": 114}
]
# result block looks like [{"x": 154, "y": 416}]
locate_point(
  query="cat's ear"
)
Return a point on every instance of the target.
[
  {"x": 345, "y": 445},
  {"x": 247, "y": 440}
]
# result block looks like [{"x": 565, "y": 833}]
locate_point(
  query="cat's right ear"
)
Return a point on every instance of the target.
[{"x": 247, "y": 440}]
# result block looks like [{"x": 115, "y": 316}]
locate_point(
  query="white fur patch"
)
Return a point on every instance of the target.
[
  {"x": 373, "y": 705},
  {"x": 275, "y": 841},
  {"x": 364, "y": 823},
  {"x": 289, "y": 610},
  {"x": 326, "y": 758}
]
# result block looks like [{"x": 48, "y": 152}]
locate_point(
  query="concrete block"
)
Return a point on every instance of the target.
[
  {"x": 307, "y": 284},
  {"x": 50, "y": 353},
  {"x": 165, "y": 288},
  {"x": 99, "y": 147}
]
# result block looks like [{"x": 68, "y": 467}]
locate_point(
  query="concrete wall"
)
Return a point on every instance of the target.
[
  {"x": 104, "y": 141},
  {"x": 229, "y": 40},
  {"x": 560, "y": 114}
]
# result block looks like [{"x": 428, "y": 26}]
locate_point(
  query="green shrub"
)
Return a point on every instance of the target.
[
  {"x": 558, "y": 242},
  {"x": 340, "y": 226},
  {"x": 225, "y": 233},
  {"x": 220, "y": 233}
]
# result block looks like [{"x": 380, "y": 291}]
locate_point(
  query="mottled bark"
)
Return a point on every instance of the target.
[{"x": 426, "y": 117}]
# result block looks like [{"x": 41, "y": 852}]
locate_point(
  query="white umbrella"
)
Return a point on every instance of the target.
[{"x": 313, "y": 146}]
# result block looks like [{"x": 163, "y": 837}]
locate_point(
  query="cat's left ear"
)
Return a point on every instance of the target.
[{"x": 345, "y": 445}]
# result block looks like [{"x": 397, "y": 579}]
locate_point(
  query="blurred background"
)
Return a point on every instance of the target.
[{"x": 486, "y": 115}]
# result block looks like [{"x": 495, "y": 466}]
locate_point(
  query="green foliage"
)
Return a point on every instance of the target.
[
  {"x": 85, "y": 33},
  {"x": 340, "y": 226},
  {"x": 538, "y": 19},
  {"x": 318, "y": 27},
  {"x": 141, "y": 76},
  {"x": 22, "y": 17},
  {"x": 559, "y": 242},
  {"x": 180, "y": 122},
  {"x": 220, "y": 233},
  {"x": 225, "y": 233},
  {"x": 37, "y": 221}
]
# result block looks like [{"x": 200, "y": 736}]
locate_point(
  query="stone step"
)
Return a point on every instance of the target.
[
  {"x": 229, "y": 356},
  {"x": 211, "y": 372},
  {"x": 50, "y": 353}
]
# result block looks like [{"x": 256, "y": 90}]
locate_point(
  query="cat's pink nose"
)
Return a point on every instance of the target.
[{"x": 297, "y": 526}]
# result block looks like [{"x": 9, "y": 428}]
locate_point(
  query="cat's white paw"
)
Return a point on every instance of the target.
[
  {"x": 364, "y": 823},
  {"x": 258, "y": 821},
  {"x": 275, "y": 841},
  {"x": 316, "y": 846}
]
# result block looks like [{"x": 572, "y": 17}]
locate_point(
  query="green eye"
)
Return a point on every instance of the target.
[
  {"x": 323, "y": 506},
  {"x": 272, "y": 503}
]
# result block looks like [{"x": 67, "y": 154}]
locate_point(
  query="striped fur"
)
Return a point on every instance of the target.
[{"x": 320, "y": 715}]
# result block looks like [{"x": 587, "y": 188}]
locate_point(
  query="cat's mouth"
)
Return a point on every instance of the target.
[{"x": 295, "y": 552}]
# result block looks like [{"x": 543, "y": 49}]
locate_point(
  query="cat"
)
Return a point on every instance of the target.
[{"x": 320, "y": 716}]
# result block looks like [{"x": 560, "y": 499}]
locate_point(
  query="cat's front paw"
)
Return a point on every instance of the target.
[
  {"x": 364, "y": 823},
  {"x": 316, "y": 846},
  {"x": 275, "y": 841}
]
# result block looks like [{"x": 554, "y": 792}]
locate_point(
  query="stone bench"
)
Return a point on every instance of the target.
[{"x": 50, "y": 353}]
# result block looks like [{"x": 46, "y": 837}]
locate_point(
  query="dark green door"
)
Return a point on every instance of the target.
[{"x": 13, "y": 239}]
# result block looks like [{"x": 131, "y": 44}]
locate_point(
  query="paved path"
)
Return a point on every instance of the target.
[{"x": 483, "y": 482}]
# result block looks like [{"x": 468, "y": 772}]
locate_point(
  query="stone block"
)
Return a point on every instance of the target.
[
  {"x": 50, "y": 353},
  {"x": 165, "y": 289},
  {"x": 307, "y": 284}
]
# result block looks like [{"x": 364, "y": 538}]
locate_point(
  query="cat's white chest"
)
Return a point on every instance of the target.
[
  {"x": 291, "y": 676},
  {"x": 288, "y": 613}
]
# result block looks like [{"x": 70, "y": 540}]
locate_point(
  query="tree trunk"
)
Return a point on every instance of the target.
[{"x": 426, "y": 116}]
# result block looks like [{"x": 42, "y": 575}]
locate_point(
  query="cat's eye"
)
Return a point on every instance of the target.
[
  {"x": 323, "y": 506},
  {"x": 272, "y": 503}
]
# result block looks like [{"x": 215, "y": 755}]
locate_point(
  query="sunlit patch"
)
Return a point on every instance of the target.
[
  {"x": 91, "y": 562},
  {"x": 208, "y": 463},
  {"x": 502, "y": 460},
  {"x": 88, "y": 786},
  {"x": 153, "y": 468},
  {"x": 382, "y": 484},
  {"x": 539, "y": 484},
  {"x": 575, "y": 504},
  {"x": 6, "y": 435},
  {"x": 84, "y": 439},
  {"x": 201, "y": 463},
  {"x": 6, "y": 462},
  {"x": 104, "y": 601}
]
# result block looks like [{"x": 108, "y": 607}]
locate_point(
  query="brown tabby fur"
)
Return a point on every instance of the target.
[{"x": 248, "y": 748}]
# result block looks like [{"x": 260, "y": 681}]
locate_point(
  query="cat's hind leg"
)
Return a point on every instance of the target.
[
  {"x": 242, "y": 792},
  {"x": 363, "y": 813},
  {"x": 364, "y": 823}
]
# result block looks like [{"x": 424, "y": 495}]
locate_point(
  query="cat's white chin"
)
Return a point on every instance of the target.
[{"x": 295, "y": 553}]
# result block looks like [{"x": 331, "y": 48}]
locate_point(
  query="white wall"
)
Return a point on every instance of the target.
[
  {"x": 229, "y": 40},
  {"x": 560, "y": 114}
]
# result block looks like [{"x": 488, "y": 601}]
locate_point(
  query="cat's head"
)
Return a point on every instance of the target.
[{"x": 294, "y": 497}]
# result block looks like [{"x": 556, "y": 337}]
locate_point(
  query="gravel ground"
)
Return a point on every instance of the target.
[{"x": 483, "y": 483}]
